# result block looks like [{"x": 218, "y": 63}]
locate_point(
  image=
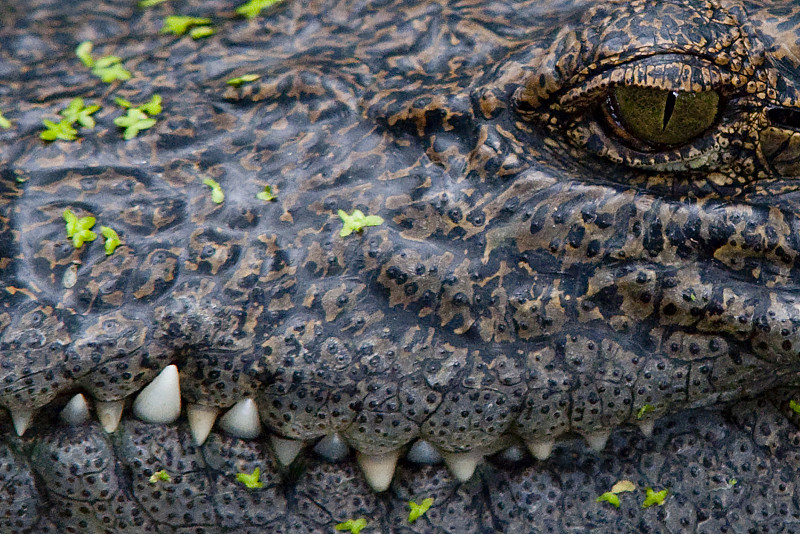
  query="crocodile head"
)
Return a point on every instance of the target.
[{"x": 588, "y": 221}]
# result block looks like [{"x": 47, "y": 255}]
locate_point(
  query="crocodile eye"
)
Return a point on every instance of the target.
[{"x": 650, "y": 119}]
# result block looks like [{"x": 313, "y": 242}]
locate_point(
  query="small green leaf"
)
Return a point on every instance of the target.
[
  {"x": 153, "y": 107},
  {"x": 247, "y": 78},
  {"x": 654, "y": 497},
  {"x": 60, "y": 130},
  {"x": 794, "y": 406},
  {"x": 4, "y": 122},
  {"x": 201, "y": 31},
  {"x": 72, "y": 222},
  {"x": 160, "y": 476},
  {"x": 137, "y": 118},
  {"x": 644, "y": 409},
  {"x": 610, "y": 498},
  {"x": 79, "y": 229},
  {"x": 107, "y": 61},
  {"x": 251, "y": 481},
  {"x": 76, "y": 112},
  {"x": 266, "y": 194},
  {"x": 253, "y": 8},
  {"x": 217, "y": 195},
  {"x": 150, "y": 3},
  {"x": 357, "y": 221},
  {"x": 110, "y": 69},
  {"x": 180, "y": 24},
  {"x": 112, "y": 74},
  {"x": 353, "y": 525},
  {"x": 135, "y": 121},
  {"x": 84, "y": 53},
  {"x": 73, "y": 108},
  {"x": 418, "y": 510},
  {"x": 112, "y": 239},
  {"x": 732, "y": 482}
]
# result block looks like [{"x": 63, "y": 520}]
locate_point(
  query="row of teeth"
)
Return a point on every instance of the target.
[{"x": 160, "y": 403}]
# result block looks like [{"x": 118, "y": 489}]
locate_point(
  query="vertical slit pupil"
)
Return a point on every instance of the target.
[{"x": 669, "y": 108}]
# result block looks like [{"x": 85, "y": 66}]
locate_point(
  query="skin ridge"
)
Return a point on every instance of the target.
[{"x": 534, "y": 277}]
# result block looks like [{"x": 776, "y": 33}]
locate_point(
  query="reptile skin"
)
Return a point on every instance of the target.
[{"x": 537, "y": 278}]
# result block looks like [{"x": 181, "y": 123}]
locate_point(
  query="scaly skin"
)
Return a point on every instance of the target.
[{"x": 535, "y": 277}]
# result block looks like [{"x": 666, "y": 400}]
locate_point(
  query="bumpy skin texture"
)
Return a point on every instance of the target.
[{"x": 534, "y": 277}]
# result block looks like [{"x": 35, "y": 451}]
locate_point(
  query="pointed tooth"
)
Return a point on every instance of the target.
[
  {"x": 597, "y": 440},
  {"x": 160, "y": 400},
  {"x": 201, "y": 419},
  {"x": 378, "y": 469},
  {"x": 541, "y": 450},
  {"x": 76, "y": 411},
  {"x": 21, "y": 419},
  {"x": 242, "y": 420},
  {"x": 646, "y": 426},
  {"x": 422, "y": 452},
  {"x": 462, "y": 464},
  {"x": 109, "y": 413},
  {"x": 512, "y": 455},
  {"x": 286, "y": 450},
  {"x": 333, "y": 448}
]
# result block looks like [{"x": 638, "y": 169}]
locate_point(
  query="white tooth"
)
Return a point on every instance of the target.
[
  {"x": 378, "y": 469},
  {"x": 160, "y": 400},
  {"x": 646, "y": 427},
  {"x": 286, "y": 450},
  {"x": 109, "y": 413},
  {"x": 462, "y": 464},
  {"x": 513, "y": 455},
  {"x": 333, "y": 448},
  {"x": 597, "y": 440},
  {"x": 541, "y": 450},
  {"x": 242, "y": 420},
  {"x": 76, "y": 411},
  {"x": 201, "y": 419},
  {"x": 422, "y": 452},
  {"x": 21, "y": 419}
]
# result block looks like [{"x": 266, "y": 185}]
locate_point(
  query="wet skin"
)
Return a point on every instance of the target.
[{"x": 542, "y": 275}]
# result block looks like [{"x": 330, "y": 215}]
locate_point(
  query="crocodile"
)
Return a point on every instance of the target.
[{"x": 499, "y": 254}]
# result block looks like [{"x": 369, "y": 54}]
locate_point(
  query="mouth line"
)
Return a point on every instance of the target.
[{"x": 159, "y": 403}]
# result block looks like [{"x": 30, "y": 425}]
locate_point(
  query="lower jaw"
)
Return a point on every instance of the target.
[
  {"x": 64, "y": 478},
  {"x": 160, "y": 403}
]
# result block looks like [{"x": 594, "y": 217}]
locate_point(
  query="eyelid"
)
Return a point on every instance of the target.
[{"x": 668, "y": 72}]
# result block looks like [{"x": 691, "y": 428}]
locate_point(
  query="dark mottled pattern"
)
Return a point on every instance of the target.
[{"x": 535, "y": 278}]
